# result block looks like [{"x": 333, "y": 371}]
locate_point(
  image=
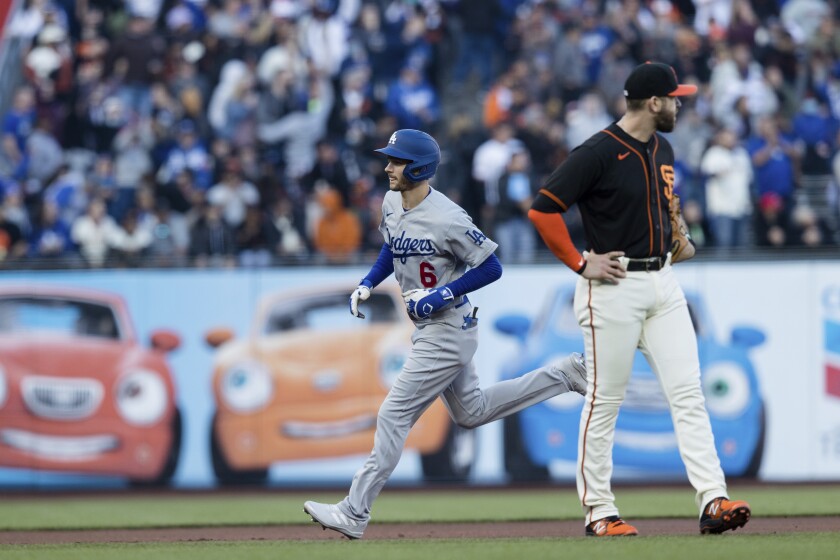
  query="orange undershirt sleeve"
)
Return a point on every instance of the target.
[{"x": 553, "y": 230}]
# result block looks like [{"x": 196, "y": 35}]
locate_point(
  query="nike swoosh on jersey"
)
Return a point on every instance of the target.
[{"x": 622, "y": 156}]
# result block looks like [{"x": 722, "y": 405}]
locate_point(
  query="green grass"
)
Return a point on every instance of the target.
[
  {"x": 45, "y": 512},
  {"x": 767, "y": 547},
  {"x": 271, "y": 508}
]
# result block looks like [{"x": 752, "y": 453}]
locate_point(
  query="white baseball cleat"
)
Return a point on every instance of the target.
[
  {"x": 330, "y": 516},
  {"x": 573, "y": 369}
]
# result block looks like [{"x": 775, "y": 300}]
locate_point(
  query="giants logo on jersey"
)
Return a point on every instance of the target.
[
  {"x": 667, "y": 172},
  {"x": 403, "y": 247}
]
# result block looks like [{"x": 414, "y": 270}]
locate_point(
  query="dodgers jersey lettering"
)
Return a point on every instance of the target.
[{"x": 433, "y": 243}]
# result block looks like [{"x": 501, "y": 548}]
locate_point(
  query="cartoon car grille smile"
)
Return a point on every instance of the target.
[
  {"x": 315, "y": 430},
  {"x": 57, "y": 447},
  {"x": 61, "y": 399}
]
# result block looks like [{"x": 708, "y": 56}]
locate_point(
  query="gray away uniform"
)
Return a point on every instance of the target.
[{"x": 433, "y": 244}]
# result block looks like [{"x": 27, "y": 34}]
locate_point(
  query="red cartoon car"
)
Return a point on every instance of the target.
[{"x": 78, "y": 392}]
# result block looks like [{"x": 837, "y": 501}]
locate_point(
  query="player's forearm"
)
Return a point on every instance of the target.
[
  {"x": 554, "y": 232},
  {"x": 486, "y": 273},
  {"x": 382, "y": 268}
]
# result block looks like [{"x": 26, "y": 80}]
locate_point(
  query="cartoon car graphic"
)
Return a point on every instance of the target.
[
  {"x": 308, "y": 381},
  {"x": 78, "y": 392},
  {"x": 644, "y": 437}
]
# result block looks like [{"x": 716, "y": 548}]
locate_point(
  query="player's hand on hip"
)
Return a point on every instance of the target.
[
  {"x": 422, "y": 303},
  {"x": 605, "y": 267},
  {"x": 361, "y": 293}
]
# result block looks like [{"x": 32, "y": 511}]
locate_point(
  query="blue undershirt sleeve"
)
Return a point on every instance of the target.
[
  {"x": 486, "y": 273},
  {"x": 381, "y": 269}
]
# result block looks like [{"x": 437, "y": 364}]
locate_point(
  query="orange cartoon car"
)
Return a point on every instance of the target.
[
  {"x": 78, "y": 393},
  {"x": 308, "y": 383}
]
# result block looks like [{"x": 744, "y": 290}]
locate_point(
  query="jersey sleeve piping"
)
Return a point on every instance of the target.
[{"x": 554, "y": 198}]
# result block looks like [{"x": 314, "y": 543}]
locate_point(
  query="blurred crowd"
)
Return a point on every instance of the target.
[{"x": 240, "y": 132}]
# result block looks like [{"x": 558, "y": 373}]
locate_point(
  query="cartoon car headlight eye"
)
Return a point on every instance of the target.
[
  {"x": 141, "y": 397},
  {"x": 3, "y": 386},
  {"x": 727, "y": 389},
  {"x": 246, "y": 387},
  {"x": 390, "y": 367}
]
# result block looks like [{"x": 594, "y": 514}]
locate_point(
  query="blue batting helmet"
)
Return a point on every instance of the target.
[{"x": 418, "y": 148}]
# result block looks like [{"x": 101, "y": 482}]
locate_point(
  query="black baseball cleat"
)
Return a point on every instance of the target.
[{"x": 722, "y": 514}]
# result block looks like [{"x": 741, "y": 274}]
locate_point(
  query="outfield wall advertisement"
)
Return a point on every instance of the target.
[{"x": 202, "y": 378}]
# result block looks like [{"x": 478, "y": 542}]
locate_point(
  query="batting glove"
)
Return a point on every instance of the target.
[
  {"x": 361, "y": 293},
  {"x": 422, "y": 303}
]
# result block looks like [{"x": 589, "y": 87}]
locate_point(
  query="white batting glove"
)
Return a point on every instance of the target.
[{"x": 361, "y": 293}]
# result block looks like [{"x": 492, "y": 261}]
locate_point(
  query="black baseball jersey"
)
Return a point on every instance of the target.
[{"x": 622, "y": 188}]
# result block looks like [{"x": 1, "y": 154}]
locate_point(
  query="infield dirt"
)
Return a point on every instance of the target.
[{"x": 393, "y": 531}]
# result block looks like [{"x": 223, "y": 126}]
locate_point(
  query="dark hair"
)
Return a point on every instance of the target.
[{"x": 636, "y": 104}]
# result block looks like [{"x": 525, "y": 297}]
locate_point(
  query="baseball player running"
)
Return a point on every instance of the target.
[
  {"x": 429, "y": 243},
  {"x": 627, "y": 296}
]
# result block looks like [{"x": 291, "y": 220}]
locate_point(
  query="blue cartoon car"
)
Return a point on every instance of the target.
[{"x": 645, "y": 442}]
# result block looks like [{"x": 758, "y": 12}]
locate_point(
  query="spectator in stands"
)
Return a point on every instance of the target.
[
  {"x": 94, "y": 232},
  {"x": 212, "y": 242},
  {"x": 135, "y": 60},
  {"x": 298, "y": 132},
  {"x": 775, "y": 161},
  {"x": 182, "y": 194},
  {"x": 233, "y": 195},
  {"x": 290, "y": 243},
  {"x": 585, "y": 117},
  {"x": 14, "y": 210},
  {"x": 70, "y": 192},
  {"x": 190, "y": 153},
  {"x": 729, "y": 173},
  {"x": 569, "y": 67},
  {"x": 13, "y": 244},
  {"x": 256, "y": 239},
  {"x": 29, "y": 20},
  {"x": 477, "y": 44},
  {"x": 324, "y": 37},
  {"x": 413, "y": 101},
  {"x": 328, "y": 167},
  {"x": 131, "y": 240},
  {"x": 233, "y": 106},
  {"x": 170, "y": 235},
  {"x": 14, "y": 165},
  {"x": 338, "y": 233},
  {"x": 772, "y": 222},
  {"x": 50, "y": 237},
  {"x": 808, "y": 229},
  {"x": 514, "y": 231},
  {"x": 132, "y": 158},
  {"x": 489, "y": 163},
  {"x": 19, "y": 121}
]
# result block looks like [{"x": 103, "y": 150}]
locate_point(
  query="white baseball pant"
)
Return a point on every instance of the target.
[{"x": 645, "y": 310}]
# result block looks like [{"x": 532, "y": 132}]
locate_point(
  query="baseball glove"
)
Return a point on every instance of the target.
[{"x": 682, "y": 246}]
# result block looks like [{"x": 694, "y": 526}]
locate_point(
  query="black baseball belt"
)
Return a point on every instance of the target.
[{"x": 650, "y": 264}]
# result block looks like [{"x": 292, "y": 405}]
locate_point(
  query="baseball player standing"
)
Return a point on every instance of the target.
[
  {"x": 429, "y": 243},
  {"x": 627, "y": 296}
]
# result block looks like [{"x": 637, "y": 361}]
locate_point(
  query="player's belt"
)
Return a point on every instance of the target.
[{"x": 646, "y": 265}]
